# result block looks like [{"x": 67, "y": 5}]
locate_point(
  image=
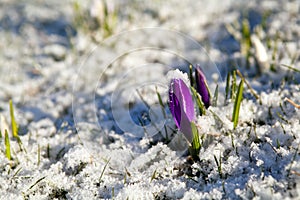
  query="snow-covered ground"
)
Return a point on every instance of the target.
[{"x": 89, "y": 116}]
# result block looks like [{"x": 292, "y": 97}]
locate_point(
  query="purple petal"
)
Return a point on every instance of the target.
[
  {"x": 182, "y": 106},
  {"x": 201, "y": 86}
]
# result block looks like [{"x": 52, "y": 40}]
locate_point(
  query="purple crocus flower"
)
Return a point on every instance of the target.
[
  {"x": 182, "y": 107},
  {"x": 201, "y": 86}
]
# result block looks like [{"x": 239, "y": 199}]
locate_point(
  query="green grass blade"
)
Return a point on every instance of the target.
[
  {"x": 153, "y": 176},
  {"x": 227, "y": 87},
  {"x": 14, "y": 126},
  {"x": 143, "y": 125},
  {"x": 217, "y": 117},
  {"x": 233, "y": 85},
  {"x": 192, "y": 81},
  {"x": 278, "y": 143},
  {"x": 161, "y": 103},
  {"x": 143, "y": 100},
  {"x": 199, "y": 102},
  {"x": 48, "y": 150},
  {"x": 196, "y": 145},
  {"x": 219, "y": 165},
  {"x": 60, "y": 153},
  {"x": 237, "y": 104},
  {"x": 216, "y": 160},
  {"x": 20, "y": 144},
  {"x": 246, "y": 41},
  {"x": 17, "y": 172},
  {"x": 291, "y": 68},
  {"x": 7, "y": 146},
  {"x": 215, "y": 98},
  {"x": 272, "y": 66},
  {"x": 209, "y": 92},
  {"x": 282, "y": 118}
]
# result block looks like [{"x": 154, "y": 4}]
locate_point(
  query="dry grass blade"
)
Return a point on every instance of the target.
[
  {"x": 249, "y": 87},
  {"x": 39, "y": 180},
  {"x": 292, "y": 102},
  {"x": 102, "y": 173}
]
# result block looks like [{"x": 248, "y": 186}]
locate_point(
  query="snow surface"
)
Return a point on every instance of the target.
[{"x": 80, "y": 101}]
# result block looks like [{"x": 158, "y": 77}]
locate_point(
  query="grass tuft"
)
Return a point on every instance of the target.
[
  {"x": 242, "y": 33},
  {"x": 100, "y": 26}
]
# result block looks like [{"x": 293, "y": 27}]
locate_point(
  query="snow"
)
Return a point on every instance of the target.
[{"x": 80, "y": 101}]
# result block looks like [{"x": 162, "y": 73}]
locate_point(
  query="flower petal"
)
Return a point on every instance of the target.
[{"x": 182, "y": 106}]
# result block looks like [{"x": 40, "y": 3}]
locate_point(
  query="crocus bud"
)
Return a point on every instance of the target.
[
  {"x": 182, "y": 107},
  {"x": 201, "y": 87}
]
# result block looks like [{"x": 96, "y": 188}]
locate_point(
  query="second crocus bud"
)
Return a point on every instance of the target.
[{"x": 201, "y": 86}]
